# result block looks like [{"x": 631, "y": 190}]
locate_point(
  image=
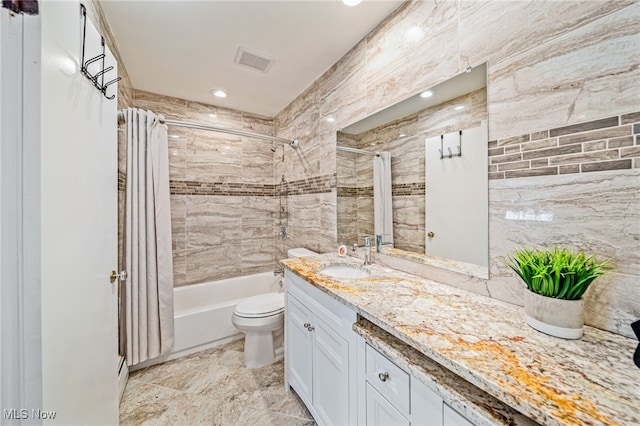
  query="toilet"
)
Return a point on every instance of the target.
[{"x": 261, "y": 319}]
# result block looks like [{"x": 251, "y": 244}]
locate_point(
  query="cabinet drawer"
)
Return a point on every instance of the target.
[
  {"x": 452, "y": 418},
  {"x": 336, "y": 315},
  {"x": 380, "y": 412},
  {"x": 387, "y": 378}
]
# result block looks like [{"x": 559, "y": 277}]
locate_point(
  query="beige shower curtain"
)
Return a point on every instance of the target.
[{"x": 148, "y": 292}]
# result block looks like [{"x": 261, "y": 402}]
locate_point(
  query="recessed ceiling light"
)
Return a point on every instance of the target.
[
  {"x": 213, "y": 116},
  {"x": 219, "y": 93},
  {"x": 351, "y": 2},
  {"x": 331, "y": 120},
  {"x": 426, "y": 94},
  {"x": 459, "y": 107}
]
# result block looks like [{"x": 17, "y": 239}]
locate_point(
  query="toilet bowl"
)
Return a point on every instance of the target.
[{"x": 261, "y": 319}]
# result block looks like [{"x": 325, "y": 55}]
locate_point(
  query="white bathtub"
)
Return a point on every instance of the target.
[{"x": 202, "y": 312}]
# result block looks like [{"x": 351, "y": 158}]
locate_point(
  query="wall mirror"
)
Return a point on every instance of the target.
[{"x": 414, "y": 176}]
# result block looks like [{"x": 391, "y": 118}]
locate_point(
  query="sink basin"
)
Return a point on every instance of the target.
[{"x": 345, "y": 271}]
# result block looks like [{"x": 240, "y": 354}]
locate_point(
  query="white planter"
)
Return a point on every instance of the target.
[{"x": 556, "y": 317}]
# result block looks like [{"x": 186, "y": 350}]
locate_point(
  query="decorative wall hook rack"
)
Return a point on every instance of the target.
[
  {"x": 451, "y": 154},
  {"x": 98, "y": 78}
]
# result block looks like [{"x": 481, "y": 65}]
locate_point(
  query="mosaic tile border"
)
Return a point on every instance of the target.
[
  {"x": 122, "y": 181},
  {"x": 606, "y": 144},
  {"x": 402, "y": 189},
  {"x": 178, "y": 187},
  {"x": 352, "y": 191},
  {"x": 315, "y": 185}
]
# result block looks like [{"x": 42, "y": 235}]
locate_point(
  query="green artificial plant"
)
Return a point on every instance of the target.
[{"x": 557, "y": 273}]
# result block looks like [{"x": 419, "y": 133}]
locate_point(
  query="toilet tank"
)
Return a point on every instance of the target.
[{"x": 300, "y": 252}]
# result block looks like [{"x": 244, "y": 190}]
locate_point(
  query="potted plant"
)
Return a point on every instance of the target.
[{"x": 556, "y": 280}]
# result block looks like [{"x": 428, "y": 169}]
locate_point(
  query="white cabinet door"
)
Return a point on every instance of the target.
[
  {"x": 380, "y": 412},
  {"x": 426, "y": 405},
  {"x": 452, "y": 418},
  {"x": 330, "y": 375},
  {"x": 299, "y": 348}
]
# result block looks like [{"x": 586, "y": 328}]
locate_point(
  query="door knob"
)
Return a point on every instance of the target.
[
  {"x": 115, "y": 275},
  {"x": 431, "y": 235}
]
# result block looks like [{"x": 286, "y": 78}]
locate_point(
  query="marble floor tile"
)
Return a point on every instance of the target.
[{"x": 211, "y": 387}]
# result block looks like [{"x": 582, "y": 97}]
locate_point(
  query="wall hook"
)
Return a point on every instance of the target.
[
  {"x": 96, "y": 79},
  {"x": 451, "y": 154}
]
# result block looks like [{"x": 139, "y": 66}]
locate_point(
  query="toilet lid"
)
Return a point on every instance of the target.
[{"x": 261, "y": 305}]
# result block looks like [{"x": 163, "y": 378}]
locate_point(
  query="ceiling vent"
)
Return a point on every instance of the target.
[{"x": 254, "y": 60}]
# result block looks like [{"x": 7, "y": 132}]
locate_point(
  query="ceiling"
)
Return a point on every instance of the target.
[{"x": 186, "y": 49}]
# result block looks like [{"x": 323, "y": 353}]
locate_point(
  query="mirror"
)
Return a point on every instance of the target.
[{"x": 429, "y": 203}]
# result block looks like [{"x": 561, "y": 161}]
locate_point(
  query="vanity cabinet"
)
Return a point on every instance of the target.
[
  {"x": 388, "y": 395},
  {"x": 320, "y": 352}
]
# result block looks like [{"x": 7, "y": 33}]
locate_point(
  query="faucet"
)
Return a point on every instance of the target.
[
  {"x": 380, "y": 243},
  {"x": 278, "y": 272},
  {"x": 367, "y": 250}
]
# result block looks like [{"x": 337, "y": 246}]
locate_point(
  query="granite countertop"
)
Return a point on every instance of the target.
[
  {"x": 485, "y": 341},
  {"x": 476, "y": 405}
]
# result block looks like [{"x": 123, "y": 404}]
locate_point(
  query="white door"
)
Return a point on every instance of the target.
[
  {"x": 456, "y": 211},
  {"x": 79, "y": 230},
  {"x": 20, "y": 324}
]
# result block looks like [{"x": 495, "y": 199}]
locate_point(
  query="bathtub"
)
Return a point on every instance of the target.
[{"x": 202, "y": 313}]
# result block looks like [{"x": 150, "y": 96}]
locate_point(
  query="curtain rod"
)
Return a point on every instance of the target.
[
  {"x": 291, "y": 142},
  {"x": 356, "y": 150}
]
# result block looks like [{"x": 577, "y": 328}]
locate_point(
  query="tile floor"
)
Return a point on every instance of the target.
[{"x": 211, "y": 387}]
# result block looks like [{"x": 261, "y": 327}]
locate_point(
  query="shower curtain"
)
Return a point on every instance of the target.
[
  {"x": 382, "y": 207},
  {"x": 148, "y": 294}
]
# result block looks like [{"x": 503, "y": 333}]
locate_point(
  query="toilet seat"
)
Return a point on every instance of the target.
[{"x": 261, "y": 306}]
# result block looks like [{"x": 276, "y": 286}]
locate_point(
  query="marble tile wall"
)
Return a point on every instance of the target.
[
  {"x": 347, "y": 192},
  {"x": 223, "y": 208},
  {"x": 550, "y": 64}
]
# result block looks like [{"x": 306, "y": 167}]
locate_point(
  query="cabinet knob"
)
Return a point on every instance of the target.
[
  {"x": 383, "y": 376},
  {"x": 306, "y": 325},
  {"x": 310, "y": 328},
  {"x": 431, "y": 234}
]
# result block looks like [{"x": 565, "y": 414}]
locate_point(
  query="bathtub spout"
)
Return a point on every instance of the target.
[{"x": 278, "y": 272}]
